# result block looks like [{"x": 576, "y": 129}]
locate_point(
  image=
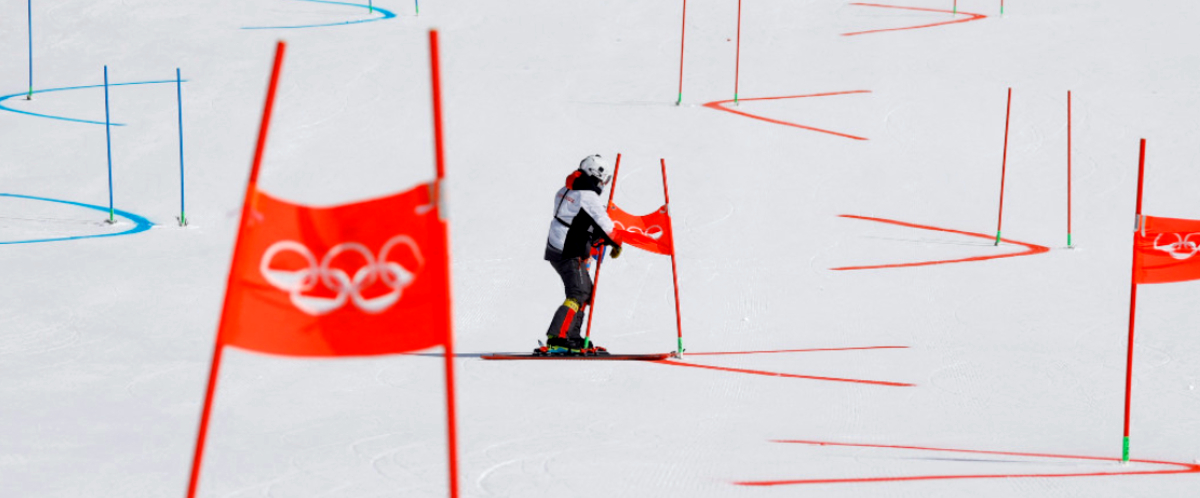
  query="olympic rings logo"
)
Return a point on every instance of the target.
[
  {"x": 1182, "y": 248},
  {"x": 654, "y": 232},
  {"x": 349, "y": 288}
]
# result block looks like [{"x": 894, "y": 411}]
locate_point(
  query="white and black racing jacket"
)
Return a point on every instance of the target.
[{"x": 580, "y": 218}]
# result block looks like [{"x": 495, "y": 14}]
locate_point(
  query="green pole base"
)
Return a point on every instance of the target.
[
  {"x": 679, "y": 351},
  {"x": 997, "y": 237},
  {"x": 679, "y": 99},
  {"x": 1125, "y": 451},
  {"x": 1068, "y": 239}
]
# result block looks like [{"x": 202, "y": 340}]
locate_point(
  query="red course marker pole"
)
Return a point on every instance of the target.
[
  {"x": 674, "y": 273},
  {"x": 251, "y": 191},
  {"x": 737, "y": 64},
  {"x": 1133, "y": 304},
  {"x": 1003, "y": 166},
  {"x": 440, "y": 166},
  {"x": 682, "y": 33},
  {"x": 587, "y": 338},
  {"x": 1068, "y": 168}
]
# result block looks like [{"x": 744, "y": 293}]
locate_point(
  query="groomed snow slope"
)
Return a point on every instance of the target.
[{"x": 105, "y": 342}]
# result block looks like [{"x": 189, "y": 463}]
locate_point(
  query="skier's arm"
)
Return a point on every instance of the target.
[{"x": 595, "y": 208}]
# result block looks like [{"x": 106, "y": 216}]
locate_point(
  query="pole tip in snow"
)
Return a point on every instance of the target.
[{"x": 1125, "y": 451}]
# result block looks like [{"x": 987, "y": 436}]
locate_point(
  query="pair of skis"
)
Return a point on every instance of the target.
[
  {"x": 544, "y": 353},
  {"x": 611, "y": 357}
]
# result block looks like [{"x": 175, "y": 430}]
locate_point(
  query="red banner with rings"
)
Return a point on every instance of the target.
[
  {"x": 1166, "y": 250},
  {"x": 357, "y": 279},
  {"x": 651, "y": 232}
]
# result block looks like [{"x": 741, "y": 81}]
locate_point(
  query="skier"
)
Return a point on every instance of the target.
[{"x": 580, "y": 230}]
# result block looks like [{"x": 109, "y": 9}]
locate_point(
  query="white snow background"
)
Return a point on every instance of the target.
[{"x": 105, "y": 342}]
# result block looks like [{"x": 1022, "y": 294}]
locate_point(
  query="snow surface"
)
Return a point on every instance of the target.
[{"x": 105, "y": 342}]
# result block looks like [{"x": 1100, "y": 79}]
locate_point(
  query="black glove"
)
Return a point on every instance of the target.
[{"x": 615, "y": 252}]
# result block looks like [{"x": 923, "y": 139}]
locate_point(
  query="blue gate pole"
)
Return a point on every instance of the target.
[
  {"x": 108, "y": 139},
  {"x": 29, "y": 11},
  {"x": 179, "y": 100}
]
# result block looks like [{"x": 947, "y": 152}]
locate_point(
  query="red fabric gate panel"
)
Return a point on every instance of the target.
[{"x": 357, "y": 279}]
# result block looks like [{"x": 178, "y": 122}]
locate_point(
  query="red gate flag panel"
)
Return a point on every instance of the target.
[
  {"x": 1166, "y": 250},
  {"x": 365, "y": 278},
  {"x": 651, "y": 232}
]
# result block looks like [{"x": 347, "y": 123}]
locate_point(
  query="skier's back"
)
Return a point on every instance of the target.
[{"x": 580, "y": 223}]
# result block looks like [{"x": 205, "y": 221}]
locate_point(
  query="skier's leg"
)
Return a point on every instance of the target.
[
  {"x": 576, "y": 326},
  {"x": 579, "y": 290},
  {"x": 564, "y": 318}
]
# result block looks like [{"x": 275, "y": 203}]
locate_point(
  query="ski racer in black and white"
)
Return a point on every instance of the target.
[{"x": 580, "y": 228}]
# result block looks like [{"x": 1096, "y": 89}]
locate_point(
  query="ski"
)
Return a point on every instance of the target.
[{"x": 533, "y": 356}]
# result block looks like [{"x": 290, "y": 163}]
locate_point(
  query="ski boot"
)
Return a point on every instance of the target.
[{"x": 562, "y": 346}]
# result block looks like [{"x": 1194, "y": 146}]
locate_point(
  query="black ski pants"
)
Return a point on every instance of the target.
[{"x": 577, "y": 285}]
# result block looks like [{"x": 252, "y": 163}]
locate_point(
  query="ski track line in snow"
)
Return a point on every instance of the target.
[
  {"x": 779, "y": 374},
  {"x": 797, "y": 350},
  {"x": 140, "y": 224},
  {"x": 387, "y": 14},
  {"x": 73, "y": 120},
  {"x": 974, "y": 17},
  {"x": 720, "y": 106},
  {"x": 1031, "y": 248},
  {"x": 794, "y": 376},
  {"x": 1185, "y": 468}
]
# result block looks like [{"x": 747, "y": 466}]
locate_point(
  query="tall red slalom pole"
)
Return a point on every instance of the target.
[
  {"x": 1133, "y": 303},
  {"x": 587, "y": 338},
  {"x": 251, "y": 188},
  {"x": 1003, "y": 166},
  {"x": 682, "y": 33},
  {"x": 1068, "y": 168},
  {"x": 674, "y": 273},
  {"x": 737, "y": 65},
  {"x": 440, "y": 161}
]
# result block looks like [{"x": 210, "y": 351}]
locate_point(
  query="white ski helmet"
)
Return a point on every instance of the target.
[{"x": 596, "y": 167}]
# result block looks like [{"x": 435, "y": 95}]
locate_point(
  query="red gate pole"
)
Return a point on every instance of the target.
[
  {"x": 1003, "y": 166},
  {"x": 682, "y": 32},
  {"x": 251, "y": 190},
  {"x": 438, "y": 199},
  {"x": 674, "y": 273},
  {"x": 1068, "y": 168},
  {"x": 1133, "y": 303},
  {"x": 737, "y": 64},
  {"x": 587, "y": 338}
]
